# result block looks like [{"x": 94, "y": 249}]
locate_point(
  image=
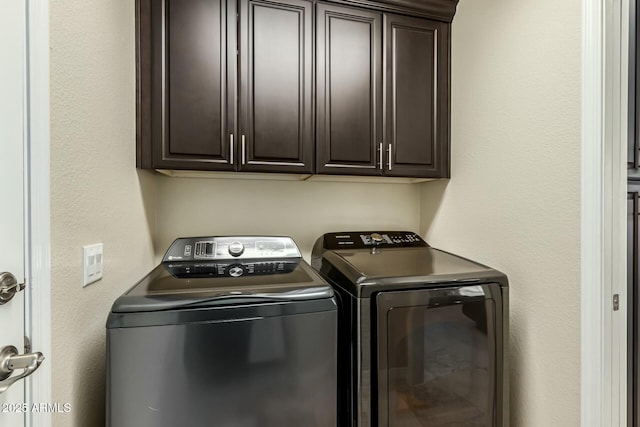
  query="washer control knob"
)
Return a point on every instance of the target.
[
  {"x": 236, "y": 249},
  {"x": 236, "y": 270},
  {"x": 376, "y": 238}
]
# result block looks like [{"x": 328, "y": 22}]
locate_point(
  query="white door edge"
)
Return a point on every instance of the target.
[
  {"x": 603, "y": 221},
  {"x": 38, "y": 301}
]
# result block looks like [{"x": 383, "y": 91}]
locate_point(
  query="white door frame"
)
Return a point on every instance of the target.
[
  {"x": 605, "y": 32},
  {"x": 38, "y": 261}
]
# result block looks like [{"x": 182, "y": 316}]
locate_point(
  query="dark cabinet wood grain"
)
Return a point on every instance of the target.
[
  {"x": 276, "y": 69},
  {"x": 348, "y": 90},
  {"x": 294, "y": 86},
  {"x": 193, "y": 84},
  {"x": 350, "y": 118},
  {"x": 417, "y": 97}
]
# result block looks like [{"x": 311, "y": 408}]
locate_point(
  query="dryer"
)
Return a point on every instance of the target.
[
  {"x": 229, "y": 332},
  {"x": 423, "y": 333}
]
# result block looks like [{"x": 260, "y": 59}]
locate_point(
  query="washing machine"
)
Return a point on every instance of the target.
[
  {"x": 423, "y": 333},
  {"x": 226, "y": 332}
]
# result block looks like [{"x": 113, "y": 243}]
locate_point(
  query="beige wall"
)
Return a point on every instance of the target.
[
  {"x": 96, "y": 193},
  {"x": 302, "y": 210},
  {"x": 513, "y": 200}
]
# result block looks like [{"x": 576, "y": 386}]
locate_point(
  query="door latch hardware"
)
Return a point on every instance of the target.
[
  {"x": 11, "y": 360},
  {"x": 616, "y": 302},
  {"x": 9, "y": 287}
]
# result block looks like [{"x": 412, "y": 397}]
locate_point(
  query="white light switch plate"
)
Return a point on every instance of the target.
[{"x": 92, "y": 263}]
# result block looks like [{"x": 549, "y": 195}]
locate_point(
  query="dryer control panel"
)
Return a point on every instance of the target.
[
  {"x": 231, "y": 248},
  {"x": 371, "y": 239}
]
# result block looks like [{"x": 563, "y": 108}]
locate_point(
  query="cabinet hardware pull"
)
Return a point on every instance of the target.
[
  {"x": 231, "y": 148},
  {"x": 244, "y": 152},
  {"x": 380, "y": 153},
  {"x": 389, "y": 163}
]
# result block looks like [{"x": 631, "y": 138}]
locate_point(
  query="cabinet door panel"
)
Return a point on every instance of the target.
[
  {"x": 192, "y": 107},
  {"x": 417, "y": 101},
  {"x": 633, "y": 325},
  {"x": 276, "y": 86},
  {"x": 349, "y": 89},
  {"x": 633, "y": 139}
]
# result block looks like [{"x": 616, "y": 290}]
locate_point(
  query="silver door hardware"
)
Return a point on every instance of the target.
[
  {"x": 9, "y": 287},
  {"x": 11, "y": 360},
  {"x": 244, "y": 154},
  {"x": 616, "y": 302},
  {"x": 380, "y": 153},
  {"x": 231, "y": 148},
  {"x": 389, "y": 163}
]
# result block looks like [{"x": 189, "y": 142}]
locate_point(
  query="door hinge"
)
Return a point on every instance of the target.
[{"x": 616, "y": 302}]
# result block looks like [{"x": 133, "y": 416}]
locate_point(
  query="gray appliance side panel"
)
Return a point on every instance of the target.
[
  {"x": 505, "y": 380},
  {"x": 365, "y": 364},
  {"x": 276, "y": 371},
  {"x": 503, "y": 354}
]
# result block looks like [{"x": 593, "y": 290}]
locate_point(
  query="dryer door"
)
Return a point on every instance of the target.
[{"x": 438, "y": 357}]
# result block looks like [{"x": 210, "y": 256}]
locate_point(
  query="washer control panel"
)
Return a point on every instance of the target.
[
  {"x": 229, "y": 268},
  {"x": 372, "y": 239},
  {"x": 231, "y": 247}
]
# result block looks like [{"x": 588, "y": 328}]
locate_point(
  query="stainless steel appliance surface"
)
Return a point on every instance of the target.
[
  {"x": 423, "y": 333},
  {"x": 233, "y": 331}
]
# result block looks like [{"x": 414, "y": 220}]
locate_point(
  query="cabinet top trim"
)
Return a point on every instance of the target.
[{"x": 440, "y": 10}]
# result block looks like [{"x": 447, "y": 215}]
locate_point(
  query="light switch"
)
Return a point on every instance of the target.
[{"x": 92, "y": 258}]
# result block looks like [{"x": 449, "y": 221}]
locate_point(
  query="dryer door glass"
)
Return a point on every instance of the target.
[{"x": 437, "y": 363}]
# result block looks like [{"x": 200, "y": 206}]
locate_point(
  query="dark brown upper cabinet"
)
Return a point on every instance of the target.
[
  {"x": 347, "y": 87},
  {"x": 348, "y": 90},
  {"x": 276, "y": 69},
  {"x": 416, "y": 122},
  {"x": 190, "y": 88},
  {"x": 194, "y": 58},
  {"x": 361, "y": 130}
]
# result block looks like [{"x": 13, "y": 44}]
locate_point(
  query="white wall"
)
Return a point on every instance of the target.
[
  {"x": 96, "y": 193},
  {"x": 513, "y": 200},
  {"x": 302, "y": 210}
]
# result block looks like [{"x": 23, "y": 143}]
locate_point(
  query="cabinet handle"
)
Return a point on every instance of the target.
[
  {"x": 231, "y": 148},
  {"x": 389, "y": 162},
  {"x": 244, "y": 152},
  {"x": 380, "y": 153}
]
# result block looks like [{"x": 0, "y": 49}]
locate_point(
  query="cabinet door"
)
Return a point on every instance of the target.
[
  {"x": 193, "y": 69},
  {"x": 633, "y": 326},
  {"x": 349, "y": 90},
  {"x": 633, "y": 139},
  {"x": 416, "y": 59},
  {"x": 276, "y": 69}
]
